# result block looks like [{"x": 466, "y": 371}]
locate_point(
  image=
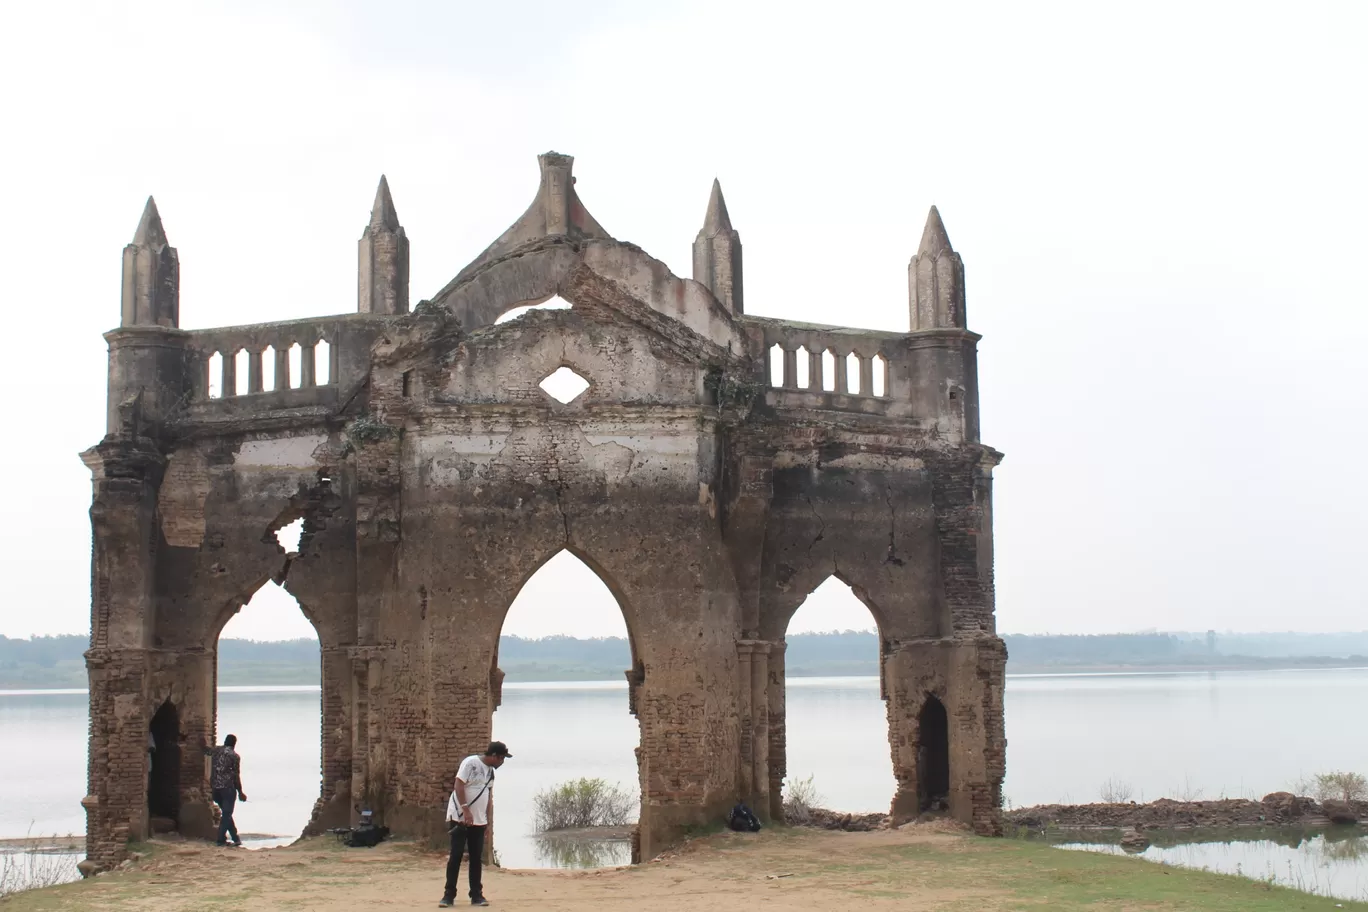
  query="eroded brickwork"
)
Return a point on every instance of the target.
[{"x": 434, "y": 476}]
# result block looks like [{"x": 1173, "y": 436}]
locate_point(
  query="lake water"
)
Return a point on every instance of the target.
[
  {"x": 1207, "y": 735},
  {"x": 1333, "y": 863}
]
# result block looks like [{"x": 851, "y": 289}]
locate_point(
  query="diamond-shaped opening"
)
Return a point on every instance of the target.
[{"x": 564, "y": 385}]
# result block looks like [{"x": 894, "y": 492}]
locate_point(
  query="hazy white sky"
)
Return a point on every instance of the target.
[{"x": 1160, "y": 208}]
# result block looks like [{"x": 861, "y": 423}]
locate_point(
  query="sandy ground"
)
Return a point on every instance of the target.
[{"x": 794, "y": 869}]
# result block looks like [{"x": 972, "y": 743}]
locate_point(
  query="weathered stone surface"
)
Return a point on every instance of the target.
[{"x": 434, "y": 475}]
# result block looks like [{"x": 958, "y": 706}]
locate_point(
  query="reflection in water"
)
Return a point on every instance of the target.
[
  {"x": 1330, "y": 862},
  {"x": 582, "y": 852}
]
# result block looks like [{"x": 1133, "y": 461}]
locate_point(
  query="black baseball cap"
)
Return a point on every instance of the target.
[{"x": 497, "y": 749}]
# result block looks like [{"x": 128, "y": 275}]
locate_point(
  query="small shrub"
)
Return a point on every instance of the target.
[
  {"x": 22, "y": 871},
  {"x": 582, "y": 803},
  {"x": 1114, "y": 791},
  {"x": 1340, "y": 787},
  {"x": 800, "y": 798},
  {"x": 367, "y": 430}
]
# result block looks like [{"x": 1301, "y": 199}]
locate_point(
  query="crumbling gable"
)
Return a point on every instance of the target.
[{"x": 713, "y": 469}]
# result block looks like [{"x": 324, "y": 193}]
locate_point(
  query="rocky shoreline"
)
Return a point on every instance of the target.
[
  {"x": 1276, "y": 809},
  {"x": 1279, "y": 809}
]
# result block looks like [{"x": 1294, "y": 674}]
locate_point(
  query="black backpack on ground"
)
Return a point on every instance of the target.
[{"x": 742, "y": 820}]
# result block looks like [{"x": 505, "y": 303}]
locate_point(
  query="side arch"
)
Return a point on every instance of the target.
[
  {"x": 778, "y": 610},
  {"x": 776, "y": 618}
]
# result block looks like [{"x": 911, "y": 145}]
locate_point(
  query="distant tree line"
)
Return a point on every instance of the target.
[{"x": 58, "y": 661}]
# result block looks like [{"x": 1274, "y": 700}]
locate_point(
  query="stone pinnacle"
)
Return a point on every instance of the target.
[
  {"x": 934, "y": 239},
  {"x": 150, "y": 232},
  {"x": 717, "y": 220},
  {"x": 383, "y": 213}
]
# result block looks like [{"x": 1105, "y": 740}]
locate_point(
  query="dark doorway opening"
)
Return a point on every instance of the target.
[
  {"x": 163, "y": 779},
  {"x": 933, "y": 756}
]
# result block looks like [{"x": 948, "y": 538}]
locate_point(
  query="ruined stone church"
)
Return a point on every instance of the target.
[{"x": 715, "y": 468}]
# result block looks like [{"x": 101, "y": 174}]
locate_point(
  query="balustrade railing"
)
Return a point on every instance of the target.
[
  {"x": 833, "y": 367},
  {"x": 273, "y": 365}
]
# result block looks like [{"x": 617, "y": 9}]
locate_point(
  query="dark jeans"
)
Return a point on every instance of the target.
[
  {"x": 471, "y": 837},
  {"x": 226, "y": 799}
]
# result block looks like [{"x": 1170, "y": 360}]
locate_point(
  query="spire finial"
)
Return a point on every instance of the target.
[
  {"x": 383, "y": 214},
  {"x": 717, "y": 253},
  {"x": 150, "y": 232},
  {"x": 934, "y": 239},
  {"x": 717, "y": 220},
  {"x": 151, "y": 275},
  {"x": 383, "y": 271},
  {"x": 935, "y": 280}
]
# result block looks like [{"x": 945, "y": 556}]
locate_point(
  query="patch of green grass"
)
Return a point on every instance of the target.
[{"x": 1042, "y": 878}]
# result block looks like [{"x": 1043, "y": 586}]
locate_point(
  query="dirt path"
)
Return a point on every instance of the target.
[
  {"x": 774, "y": 870},
  {"x": 914, "y": 870}
]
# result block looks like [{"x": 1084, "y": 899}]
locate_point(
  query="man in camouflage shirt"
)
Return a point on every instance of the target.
[{"x": 225, "y": 779}]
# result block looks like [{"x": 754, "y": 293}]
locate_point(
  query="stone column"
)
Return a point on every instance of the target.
[
  {"x": 377, "y": 555},
  {"x": 978, "y": 738},
  {"x": 336, "y": 705},
  {"x": 967, "y": 677},
  {"x": 910, "y": 672},
  {"x": 127, "y": 473},
  {"x": 759, "y": 702},
  {"x": 753, "y": 691},
  {"x": 188, "y": 678},
  {"x": 745, "y": 773},
  {"x": 778, "y": 747},
  {"x": 116, "y": 802}
]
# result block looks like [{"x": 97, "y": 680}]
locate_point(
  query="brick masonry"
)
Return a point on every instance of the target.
[{"x": 434, "y": 476}]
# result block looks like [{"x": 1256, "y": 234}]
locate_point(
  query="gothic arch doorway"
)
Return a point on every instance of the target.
[
  {"x": 933, "y": 756},
  {"x": 562, "y": 630},
  {"x": 268, "y": 676},
  {"x": 835, "y": 743},
  {"x": 164, "y": 762}
]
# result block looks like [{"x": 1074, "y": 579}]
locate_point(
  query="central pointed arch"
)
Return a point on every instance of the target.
[
  {"x": 569, "y": 555},
  {"x": 567, "y": 642}
]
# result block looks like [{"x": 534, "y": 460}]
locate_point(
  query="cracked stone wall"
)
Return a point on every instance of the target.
[{"x": 434, "y": 476}]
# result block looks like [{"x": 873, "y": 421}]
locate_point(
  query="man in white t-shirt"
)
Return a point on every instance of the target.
[{"x": 468, "y": 811}]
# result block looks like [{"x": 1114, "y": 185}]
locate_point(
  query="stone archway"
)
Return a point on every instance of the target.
[
  {"x": 566, "y": 597},
  {"x": 823, "y": 697}
]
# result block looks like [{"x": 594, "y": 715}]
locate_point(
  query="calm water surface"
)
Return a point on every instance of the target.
[
  {"x": 1328, "y": 864},
  {"x": 1237, "y": 734}
]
